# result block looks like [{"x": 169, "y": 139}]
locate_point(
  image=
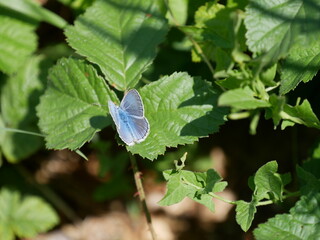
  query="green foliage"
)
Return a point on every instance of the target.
[
  {"x": 197, "y": 186},
  {"x": 76, "y": 98},
  {"x": 24, "y": 216},
  {"x": 180, "y": 116},
  {"x": 122, "y": 48},
  {"x": 257, "y": 52},
  {"x": 303, "y": 222},
  {"x": 19, "y": 96},
  {"x": 268, "y": 185},
  {"x": 17, "y": 42}
]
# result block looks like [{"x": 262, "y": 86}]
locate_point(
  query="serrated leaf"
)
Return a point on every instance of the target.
[
  {"x": 74, "y": 106},
  {"x": 245, "y": 213},
  {"x": 302, "y": 64},
  {"x": 301, "y": 114},
  {"x": 34, "y": 10},
  {"x": 19, "y": 96},
  {"x": 24, "y": 217},
  {"x": 303, "y": 222},
  {"x": 242, "y": 98},
  {"x": 271, "y": 23},
  {"x": 17, "y": 42},
  {"x": 180, "y": 110},
  {"x": 120, "y": 36},
  {"x": 267, "y": 181}
]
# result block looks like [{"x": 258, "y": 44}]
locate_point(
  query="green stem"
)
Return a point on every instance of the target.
[
  {"x": 210, "y": 193},
  {"x": 194, "y": 42},
  {"x": 268, "y": 202},
  {"x": 22, "y": 131},
  {"x": 142, "y": 197}
]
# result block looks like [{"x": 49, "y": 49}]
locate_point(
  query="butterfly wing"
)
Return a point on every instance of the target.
[
  {"x": 132, "y": 103},
  {"x": 140, "y": 128},
  {"x": 114, "y": 112}
]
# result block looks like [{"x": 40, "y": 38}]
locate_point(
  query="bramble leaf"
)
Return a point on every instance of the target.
[
  {"x": 19, "y": 96},
  {"x": 303, "y": 222},
  {"x": 73, "y": 107},
  {"x": 17, "y": 42},
  {"x": 24, "y": 217},
  {"x": 180, "y": 110},
  {"x": 120, "y": 36},
  {"x": 272, "y": 24}
]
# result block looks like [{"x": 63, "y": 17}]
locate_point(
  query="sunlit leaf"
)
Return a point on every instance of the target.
[
  {"x": 245, "y": 214},
  {"x": 74, "y": 106},
  {"x": 120, "y": 36},
  {"x": 180, "y": 110}
]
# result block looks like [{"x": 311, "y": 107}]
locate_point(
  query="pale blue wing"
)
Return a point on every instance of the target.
[
  {"x": 132, "y": 103},
  {"x": 139, "y": 128},
  {"x": 125, "y": 132},
  {"x": 114, "y": 112}
]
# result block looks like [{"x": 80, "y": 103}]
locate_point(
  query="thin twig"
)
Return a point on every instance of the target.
[{"x": 137, "y": 179}]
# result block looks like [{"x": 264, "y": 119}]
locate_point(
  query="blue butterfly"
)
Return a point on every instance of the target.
[{"x": 129, "y": 118}]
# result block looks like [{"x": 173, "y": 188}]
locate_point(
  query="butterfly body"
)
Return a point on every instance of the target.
[{"x": 132, "y": 126}]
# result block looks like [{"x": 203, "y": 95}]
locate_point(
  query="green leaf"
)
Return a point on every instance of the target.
[
  {"x": 17, "y": 42},
  {"x": 33, "y": 10},
  {"x": 242, "y": 98},
  {"x": 73, "y": 107},
  {"x": 267, "y": 181},
  {"x": 308, "y": 181},
  {"x": 180, "y": 110},
  {"x": 197, "y": 186},
  {"x": 24, "y": 217},
  {"x": 272, "y": 23},
  {"x": 303, "y": 222},
  {"x": 245, "y": 213},
  {"x": 301, "y": 114},
  {"x": 120, "y": 36},
  {"x": 277, "y": 105},
  {"x": 179, "y": 10},
  {"x": 302, "y": 64},
  {"x": 19, "y": 96}
]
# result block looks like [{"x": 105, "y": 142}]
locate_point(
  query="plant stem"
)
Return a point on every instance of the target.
[
  {"x": 210, "y": 193},
  {"x": 193, "y": 41},
  {"x": 294, "y": 194},
  {"x": 142, "y": 197},
  {"x": 22, "y": 131}
]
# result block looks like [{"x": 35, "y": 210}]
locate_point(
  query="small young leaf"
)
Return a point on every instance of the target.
[
  {"x": 180, "y": 110},
  {"x": 120, "y": 36},
  {"x": 242, "y": 98},
  {"x": 301, "y": 114},
  {"x": 268, "y": 181},
  {"x": 17, "y": 42},
  {"x": 24, "y": 217},
  {"x": 19, "y": 96},
  {"x": 195, "y": 185},
  {"x": 245, "y": 213},
  {"x": 73, "y": 107},
  {"x": 303, "y": 222}
]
